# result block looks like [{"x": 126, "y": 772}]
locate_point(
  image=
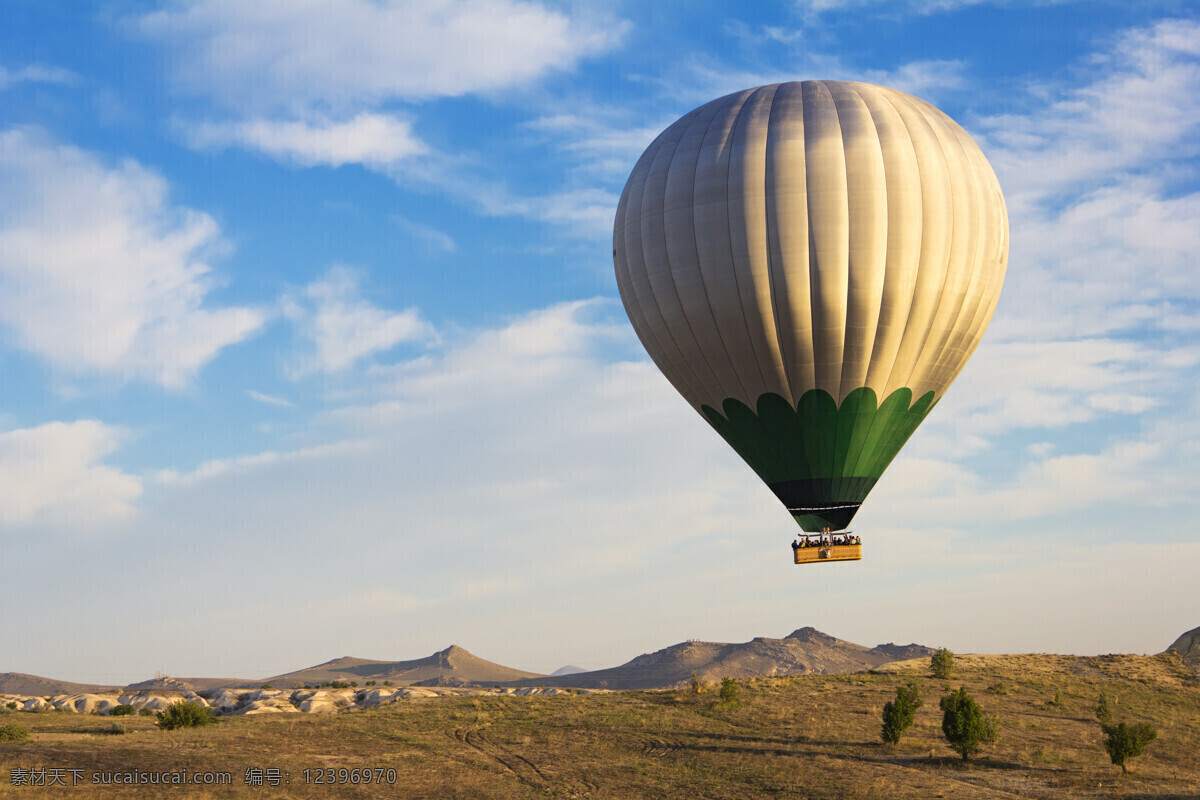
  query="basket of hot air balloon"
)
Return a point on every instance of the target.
[{"x": 810, "y": 265}]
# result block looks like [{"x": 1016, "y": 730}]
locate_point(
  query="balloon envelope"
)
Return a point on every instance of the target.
[{"x": 811, "y": 264}]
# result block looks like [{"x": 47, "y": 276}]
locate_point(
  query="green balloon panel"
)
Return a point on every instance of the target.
[{"x": 821, "y": 460}]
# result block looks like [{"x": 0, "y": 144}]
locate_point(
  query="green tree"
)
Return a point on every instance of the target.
[
  {"x": 898, "y": 714},
  {"x": 1124, "y": 741},
  {"x": 185, "y": 715},
  {"x": 729, "y": 692},
  {"x": 697, "y": 685},
  {"x": 122, "y": 710},
  {"x": 964, "y": 723},
  {"x": 942, "y": 664},
  {"x": 1104, "y": 710}
]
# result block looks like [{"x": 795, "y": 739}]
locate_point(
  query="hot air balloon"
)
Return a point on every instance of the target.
[{"x": 810, "y": 265}]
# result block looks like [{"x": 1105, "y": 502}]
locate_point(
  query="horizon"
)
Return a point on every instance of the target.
[
  {"x": 552, "y": 673},
  {"x": 311, "y": 341}
]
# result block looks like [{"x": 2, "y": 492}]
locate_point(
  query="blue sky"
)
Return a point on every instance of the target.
[{"x": 310, "y": 343}]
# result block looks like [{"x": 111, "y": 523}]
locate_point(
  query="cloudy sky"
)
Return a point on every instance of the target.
[{"x": 310, "y": 343}]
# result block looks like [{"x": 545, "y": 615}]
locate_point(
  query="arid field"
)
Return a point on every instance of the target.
[{"x": 812, "y": 736}]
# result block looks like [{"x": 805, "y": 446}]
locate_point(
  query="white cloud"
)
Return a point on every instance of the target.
[
  {"x": 702, "y": 78},
  {"x": 1103, "y": 237},
  {"x": 1050, "y": 385},
  {"x": 374, "y": 140},
  {"x": 521, "y": 445},
  {"x": 914, "y": 6},
  {"x": 323, "y": 70},
  {"x": 221, "y": 467},
  {"x": 499, "y": 363},
  {"x": 270, "y": 400},
  {"x": 343, "y": 328},
  {"x": 430, "y": 237},
  {"x": 1123, "y": 403},
  {"x": 37, "y": 73},
  {"x": 333, "y": 55},
  {"x": 1139, "y": 109},
  {"x": 600, "y": 140},
  {"x": 1125, "y": 472},
  {"x": 53, "y": 474},
  {"x": 99, "y": 273}
]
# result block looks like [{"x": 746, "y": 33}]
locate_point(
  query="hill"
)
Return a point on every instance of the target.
[
  {"x": 1188, "y": 647},
  {"x": 569, "y": 669},
  {"x": 453, "y": 666},
  {"x": 34, "y": 685},
  {"x": 806, "y": 651},
  {"x": 167, "y": 684}
]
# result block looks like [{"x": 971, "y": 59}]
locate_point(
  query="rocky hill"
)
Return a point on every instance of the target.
[
  {"x": 453, "y": 666},
  {"x": 1188, "y": 647},
  {"x": 802, "y": 652}
]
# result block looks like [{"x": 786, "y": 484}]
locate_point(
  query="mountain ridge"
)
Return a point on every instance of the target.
[{"x": 804, "y": 651}]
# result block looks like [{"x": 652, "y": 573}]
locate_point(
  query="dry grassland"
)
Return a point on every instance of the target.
[{"x": 805, "y": 737}]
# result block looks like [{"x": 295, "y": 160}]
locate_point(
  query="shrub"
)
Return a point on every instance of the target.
[
  {"x": 729, "y": 692},
  {"x": 1104, "y": 710},
  {"x": 696, "y": 684},
  {"x": 13, "y": 733},
  {"x": 115, "y": 729},
  {"x": 1057, "y": 700},
  {"x": 122, "y": 710},
  {"x": 942, "y": 664},
  {"x": 964, "y": 724},
  {"x": 266, "y": 686},
  {"x": 185, "y": 715},
  {"x": 370, "y": 683},
  {"x": 898, "y": 714},
  {"x": 145, "y": 712},
  {"x": 11, "y": 704},
  {"x": 1126, "y": 741},
  {"x": 387, "y": 683}
]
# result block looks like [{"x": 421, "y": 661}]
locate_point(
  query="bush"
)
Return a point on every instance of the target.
[
  {"x": 115, "y": 729},
  {"x": 145, "y": 712},
  {"x": 13, "y": 733},
  {"x": 1126, "y": 741},
  {"x": 898, "y": 714},
  {"x": 964, "y": 724},
  {"x": 1057, "y": 700},
  {"x": 729, "y": 692},
  {"x": 11, "y": 705},
  {"x": 1104, "y": 710},
  {"x": 122, "y": 710},
  {"x": 942, "y": 664},
  {"x": 185, "y": 715},
  {"x": 697, "y": 685}
]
